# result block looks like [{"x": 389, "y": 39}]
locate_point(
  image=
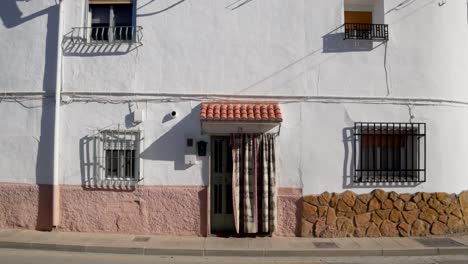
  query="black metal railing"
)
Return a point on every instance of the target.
[
  {"x": 120, "y": 34},
  {"x": 366, "y": 31},
  {"x": 389, "y": 152}
]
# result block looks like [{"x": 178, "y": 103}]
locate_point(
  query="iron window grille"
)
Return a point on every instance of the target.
[
  {"x": 119, "y": 157},
  {"x": 366, "y": 31},
  {"x": 389, "y": 152}
]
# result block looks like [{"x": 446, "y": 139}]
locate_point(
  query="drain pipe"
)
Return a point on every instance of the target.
[{"x": 58, "y": 88}]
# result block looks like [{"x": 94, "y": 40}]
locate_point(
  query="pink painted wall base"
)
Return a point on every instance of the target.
[{"x": 161, "y": 210}]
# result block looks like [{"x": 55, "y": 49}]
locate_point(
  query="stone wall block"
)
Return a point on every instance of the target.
[
  {"x": 322, "y": 211},
  {"x": 410, "y": 206},
  {"x": 458, "y": 213},
  {"x": 384, "y": 214},
  {"x": 312, "y": 199},
  {"x": 350, "y": 215},
  {"x": 393, "y": 196},
  {"x": 320, "y": 226},
  {"x": 388, "y": 229},
  {"x": 309, "y": 212},
  {"x": 438, "y": 228},
  {"x": 410, "y": 216},
  {"x": 307, "y": 228},
  {"x": 455, "y": 224},
  {"x": 419, "y": 228},
  {"x": 426, "y": 196},
  {"x": 404, "y": 229},
  {"x": 388, "y": 204},
  {"x": 373, "y": 231},
  {"x": 421, "y": 204},
  {"x": 331, "y": 216},
  {"x": 417, "y": 197},
  {"x": 399, "y": 205},
  {"x": 360, "y": 207},
  {"x": 444, "y": 198},
  {"x": 347, "y": 228},
  {"x": 405, "y": 197},
  {"x": 452, "y": 207},
  {"x": 334, "y": 200},
  {"x": 443, "y": 218},
  {"x": 349, "y": 198},
  {"x": 324, "y": 199},
  {"x": 343, "y": 207},
  {"x": 374, "y": 204},
  {"x": 429, "y": 215},
  {"x": 360, "y": 232},
  {"x": 395, "y": 216},
  {"x": 381, "y": 195},
  {"x": 362, "y": 221},
  {"x": 463, "y": 200},
  {"x": 365, "y": 198},
  {"x": 376, "y": 219}
]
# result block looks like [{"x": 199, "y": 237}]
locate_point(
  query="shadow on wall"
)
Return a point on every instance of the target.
[
  {"x": 11, "y": 16},
  {"x": 165, "y": 8},
  {"x": 171, "y": 145},
  {"x": 81, "y": 48},
  {"x": 349, "y": 167},
  {"x": 334, "y": 42}
]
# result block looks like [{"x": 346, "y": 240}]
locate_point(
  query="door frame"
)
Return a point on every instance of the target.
[{"x": 210, "y": 175}]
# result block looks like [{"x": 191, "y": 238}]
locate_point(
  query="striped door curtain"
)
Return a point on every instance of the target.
[{"x": 254, "y": 183}]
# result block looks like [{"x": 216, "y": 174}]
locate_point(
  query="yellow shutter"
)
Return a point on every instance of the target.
[{"x": 94, "y": 2}]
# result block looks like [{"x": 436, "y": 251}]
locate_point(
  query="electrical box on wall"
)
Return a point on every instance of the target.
[
  {"x": 138, "y": 116},
  {"x": 201, "y": 148},
  {"x": 190, "y": 151}
]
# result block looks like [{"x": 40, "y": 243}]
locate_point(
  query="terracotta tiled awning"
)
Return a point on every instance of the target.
[{"x": 241, "y": 111}]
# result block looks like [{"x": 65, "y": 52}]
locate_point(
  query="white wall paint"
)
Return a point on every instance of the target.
[
  {"x": 312, "y": 152},
  {"x": 269, "y": 48}
]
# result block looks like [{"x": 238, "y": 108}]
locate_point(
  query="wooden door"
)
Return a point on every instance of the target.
[{"x": 222, "y": 219}]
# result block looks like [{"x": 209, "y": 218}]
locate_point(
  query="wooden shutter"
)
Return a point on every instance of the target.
[{"x": 358, "y": 17}]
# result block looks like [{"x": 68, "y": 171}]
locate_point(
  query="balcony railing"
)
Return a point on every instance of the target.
[
  {"x": 366, "y": 31},
  {"x": 107, "y": 35}
]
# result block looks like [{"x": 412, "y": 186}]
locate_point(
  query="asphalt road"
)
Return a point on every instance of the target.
[{"x": 18, "y": 256}]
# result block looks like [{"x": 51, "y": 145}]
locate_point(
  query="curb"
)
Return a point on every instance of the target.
[{"x": 198, "y": 252}]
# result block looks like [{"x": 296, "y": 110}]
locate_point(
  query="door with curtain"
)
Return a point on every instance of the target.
[{"x": 222, "y": 219}]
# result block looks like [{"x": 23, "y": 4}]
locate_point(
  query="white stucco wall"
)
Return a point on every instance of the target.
[
  {"x": 315, "y": 150},
  {"x": 268, "y": 48}
]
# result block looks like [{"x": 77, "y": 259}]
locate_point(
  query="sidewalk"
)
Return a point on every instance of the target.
[{"x": 214, "y": 246}]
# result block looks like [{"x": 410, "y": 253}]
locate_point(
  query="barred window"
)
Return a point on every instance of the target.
[
  {"x": 120, "y": 155},
  {"x": 390, "y": 152}
]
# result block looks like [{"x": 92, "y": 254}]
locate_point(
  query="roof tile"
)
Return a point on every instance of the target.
[{"x": 256, "y": 111}]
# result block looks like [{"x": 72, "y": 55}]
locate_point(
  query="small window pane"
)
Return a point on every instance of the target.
[
  {"x": 123, "y": 30},
  {"x": 100, "y": 14}
]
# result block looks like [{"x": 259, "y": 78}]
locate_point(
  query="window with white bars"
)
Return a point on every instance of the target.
[{"x": 119, "y": 159}]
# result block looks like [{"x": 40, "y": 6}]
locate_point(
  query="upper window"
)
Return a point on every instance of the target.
[
  {"x": 364, "y": 19},
  {"x": 390, "y": 152},
  {"x": 111, "y": 21},
  {"x": 120, "y": 155}
]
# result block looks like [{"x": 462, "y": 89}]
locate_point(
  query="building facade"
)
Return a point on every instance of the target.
[{"x": 125, "y": 116}]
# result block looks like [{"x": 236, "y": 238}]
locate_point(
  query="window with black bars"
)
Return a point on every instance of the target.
[
  {"x": 389, "y": 152},
  {"x": 119, "y": 158}
]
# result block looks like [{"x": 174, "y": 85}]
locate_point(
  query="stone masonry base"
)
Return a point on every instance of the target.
[{"x": 384, "y": 214}]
